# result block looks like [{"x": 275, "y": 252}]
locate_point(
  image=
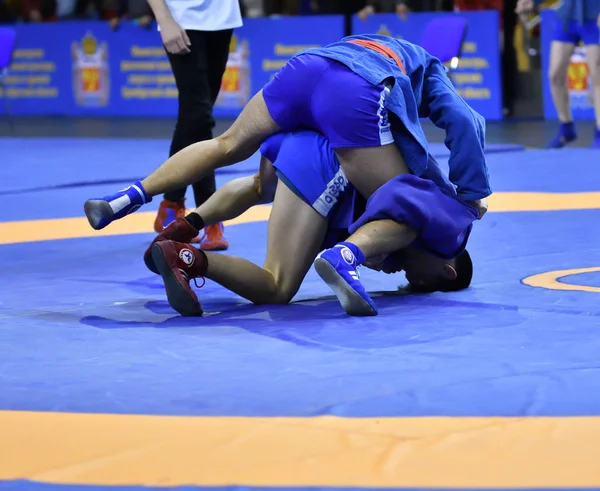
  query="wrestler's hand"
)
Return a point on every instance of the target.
[
  {"x": 174, "y": 38},
  {"x": 481, "y": 205}
]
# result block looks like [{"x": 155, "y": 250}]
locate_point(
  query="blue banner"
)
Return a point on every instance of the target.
[
  {"x": 578, "y": 75},
  {"x": 478, "y": 77},
  {"x": 86, "y": 69}
]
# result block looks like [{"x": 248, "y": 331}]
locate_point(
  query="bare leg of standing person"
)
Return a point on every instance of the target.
[
  {"x": 560, "y": 58},
  {"x": 593, "y": 56}
]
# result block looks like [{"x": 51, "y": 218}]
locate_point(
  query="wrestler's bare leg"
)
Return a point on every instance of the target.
[
  {"x": 238, "y": 195},
  {"x": 382, "y": 237},
  {"x": 369, "y": 168},
  {"x": 296, "y": 232},
  {"x": 366, "y": 168},
  {"x": 238, "y": 143},
  {"x": 189, "y": 165}
]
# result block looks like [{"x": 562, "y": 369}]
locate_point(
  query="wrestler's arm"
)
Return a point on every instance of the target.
[
  {"x": 379, "y": 238},
  {"x": 238, "y": 195},
  {"x": 465, "y": 133}
]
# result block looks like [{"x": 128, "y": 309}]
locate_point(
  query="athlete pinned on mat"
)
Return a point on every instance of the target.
[
  {"x": 314, "y": 205},
  {"x": 365, "y": 94}
]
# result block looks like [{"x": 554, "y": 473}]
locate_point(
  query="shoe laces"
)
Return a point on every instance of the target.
[{"x": 187, "y": 277}]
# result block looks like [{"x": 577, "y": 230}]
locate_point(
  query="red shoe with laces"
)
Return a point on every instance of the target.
[
  {"x": 179, "y": 263},
  {"x": 179, "y": 231}
]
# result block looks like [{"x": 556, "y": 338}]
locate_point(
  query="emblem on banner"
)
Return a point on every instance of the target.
[
  {"x": 384, "y": 31},
  {"x": 235, "y": 86},
  {"x": 578, "y": 80},
  {"x": 91, "y": 86}
]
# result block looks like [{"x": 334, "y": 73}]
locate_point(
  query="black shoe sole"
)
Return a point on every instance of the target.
[
  {"x": 216, "y": 249},
  {"x": 96, "y": 210},
  {"x": 177, "y": 296},
  {"x": 352, "y": 302}
]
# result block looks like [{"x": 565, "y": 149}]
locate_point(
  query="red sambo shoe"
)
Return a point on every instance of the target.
[
  {"x": 179, "y": 231},
  {"x": 179, "y": 263}
]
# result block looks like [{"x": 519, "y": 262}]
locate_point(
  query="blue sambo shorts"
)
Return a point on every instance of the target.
[
  {"x": 324, "y": 95},
  {"x": 573, "y": 32},
  {"x": 307, "y": 164}
]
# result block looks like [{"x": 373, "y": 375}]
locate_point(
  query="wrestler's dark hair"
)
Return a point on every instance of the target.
[{"x": 464, "y": 274}]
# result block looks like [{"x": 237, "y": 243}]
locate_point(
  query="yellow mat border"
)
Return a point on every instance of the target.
[
  {"x": 487, "y": 452},
  {"x": 75, "y": 228}
]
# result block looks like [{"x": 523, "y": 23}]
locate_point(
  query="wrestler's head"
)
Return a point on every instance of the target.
[{"x": 428, "y": 273}]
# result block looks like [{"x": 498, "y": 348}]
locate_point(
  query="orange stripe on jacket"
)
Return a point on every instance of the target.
[{"x": 381, "y": 49}]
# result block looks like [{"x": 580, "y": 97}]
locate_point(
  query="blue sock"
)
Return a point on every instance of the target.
[
  {"x": 102, "y": 211},
  {"x": 566, "y": 134},
  {"x": 358, "y": 254},
  {"x": 146, "y": 198},
  {"x": 568, "y": 129},
  {"x": 596, "y": 141}
]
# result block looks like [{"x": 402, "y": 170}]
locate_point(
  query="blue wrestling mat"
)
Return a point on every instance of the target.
[
  {"x": 103, "y": 386},
  {"x": 107, "y": 161}
]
